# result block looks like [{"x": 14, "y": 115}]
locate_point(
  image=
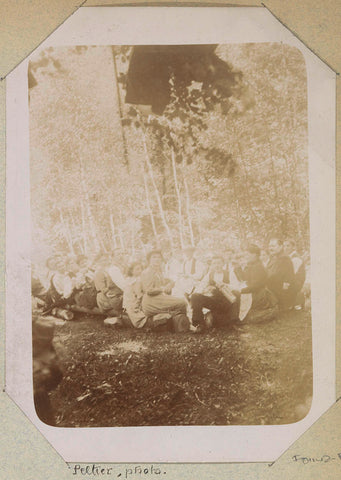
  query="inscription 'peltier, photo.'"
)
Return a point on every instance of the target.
[{"x": 170, "y": 235}]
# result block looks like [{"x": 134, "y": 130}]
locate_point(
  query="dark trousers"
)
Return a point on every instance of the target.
[{"x": 222, "y": 309}]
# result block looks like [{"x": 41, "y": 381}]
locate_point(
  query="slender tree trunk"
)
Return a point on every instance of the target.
[
  {"x": 120, "y": 236},
  {"x": 188, "y": 210},
  {"x": 84, "y": 229},
  {"x": 157, "y": 194},
  {"x": 240, "y": 228},
  {"x": 292, "y": 171},
  {"x": 66, "y": 232},
  {"x": 101, "y": 243},
  {"x": 120, "y": 110},
  {"x": 187, "y": 202},
  {"x": 150, "y": 211},
  {"x": 113, "y": 234},
  {"x": 133, "y": 241},
  {"x": 120, "y": 232},
  {"x": 178, "y": 194},
  {"x": 87, "y": 204},
  {"x": 274, "y": 180},
  {"x": 294, "y": 199},
  {"x": 74, "y": 225},
  {"x": 246, "y": 185}
]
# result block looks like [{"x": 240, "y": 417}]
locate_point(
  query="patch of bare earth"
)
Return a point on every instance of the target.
[{"x": 254, "y": 374}]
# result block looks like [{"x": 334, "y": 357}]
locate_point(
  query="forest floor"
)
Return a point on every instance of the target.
[{"x": 251, "y": 374}]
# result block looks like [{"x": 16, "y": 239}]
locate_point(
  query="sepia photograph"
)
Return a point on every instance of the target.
[{"x": 170, "y": 235}]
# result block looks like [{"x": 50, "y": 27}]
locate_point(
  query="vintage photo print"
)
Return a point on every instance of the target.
[{"x": 171, "y": 251}]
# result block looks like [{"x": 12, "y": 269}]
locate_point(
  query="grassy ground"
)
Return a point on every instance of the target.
[{"x": 254, "y": 374}]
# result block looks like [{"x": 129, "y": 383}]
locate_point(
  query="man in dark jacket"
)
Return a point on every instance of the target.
[
  {"x": 264, "y": 303},
  {"x": 299, "y": 270},
  {"x": 216, "y": 296},
  {"x": 281, "y": 276}
]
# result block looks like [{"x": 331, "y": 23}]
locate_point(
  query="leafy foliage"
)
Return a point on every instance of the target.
[{"x": 211, "y": 170}]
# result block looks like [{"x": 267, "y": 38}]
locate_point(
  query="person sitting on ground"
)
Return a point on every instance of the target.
[
  {"x": 60, "y": 293},
  {"x": 86, "y": 293},
  {"x": 109, "y": 294},
  {"x": 157, "y": 289},
  {"x": 264, "y": 303},
  {"x": 216, "y": 296},
  {"x": 71, "y": 266},
  {"x": 191, "y": 273},
  {"x": 132, "y": 296},
  {"x": 281, "y": 276},
  {"x": 299, "y": 270}
]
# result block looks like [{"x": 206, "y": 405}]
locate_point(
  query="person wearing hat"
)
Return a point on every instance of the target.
[{"x": 157, "y": 289}]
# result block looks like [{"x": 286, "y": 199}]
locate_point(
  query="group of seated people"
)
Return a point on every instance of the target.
[{"x": 219, "y": 290}]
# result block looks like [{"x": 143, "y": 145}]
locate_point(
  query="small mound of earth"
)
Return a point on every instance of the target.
[{"x": 127, "y": 346}]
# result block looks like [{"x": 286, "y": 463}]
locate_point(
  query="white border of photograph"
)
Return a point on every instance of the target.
[{"x": 174, "y": 25}]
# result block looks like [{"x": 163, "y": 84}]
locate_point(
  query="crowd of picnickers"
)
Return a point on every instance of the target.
[{"x": 187, "y": 291}]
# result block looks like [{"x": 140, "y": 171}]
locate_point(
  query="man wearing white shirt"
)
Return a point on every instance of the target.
[
  {"x": 192, "y": 271},
  {"x": 216, "y": 296},
  {"x": 192, "y": 267}
]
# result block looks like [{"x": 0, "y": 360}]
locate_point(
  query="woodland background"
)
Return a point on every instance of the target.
[{"x": 208, "y": 173}]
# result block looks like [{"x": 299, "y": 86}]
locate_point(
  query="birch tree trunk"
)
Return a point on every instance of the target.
[
  {"x": 178, "y": 194},
  {"x": 113, "y": 234},
  {"x": 66, "y": 232},
  {"x": 152, "y": 220},
  {"x": 73, "y": 223},
  {"x": 246, "y": 185},
  {"x": 84, "y": 228},
  {"x": 188, "y": 210},
  {"x": 240, "y": 228},
  {"x": 87, "y": 205},
  {"x": 157, "y": 194},
  {"x": 274, "y": 181},
  {"x": 120, "y": 110}
]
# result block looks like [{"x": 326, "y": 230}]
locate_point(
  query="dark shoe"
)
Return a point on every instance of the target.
[{"x": 198, "y": 329}]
